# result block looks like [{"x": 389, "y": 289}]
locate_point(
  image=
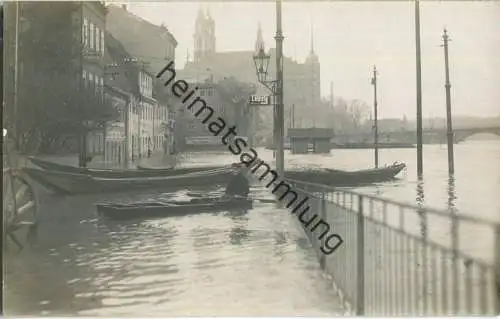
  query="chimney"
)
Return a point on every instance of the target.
[{"x": 124, "y": 7}]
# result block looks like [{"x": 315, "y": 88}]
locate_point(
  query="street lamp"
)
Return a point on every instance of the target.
[{"x": 261, "y": 61}]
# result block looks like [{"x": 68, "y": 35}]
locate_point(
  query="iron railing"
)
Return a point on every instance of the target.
[{"x": 401, "y": 259}]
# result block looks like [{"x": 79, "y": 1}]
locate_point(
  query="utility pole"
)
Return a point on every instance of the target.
[
  {"x": 280, "y": 158},
  {"x": 420, "y": 157},
  {"x": 375, "y": 113},
  {"x": 447, "y": 85}
]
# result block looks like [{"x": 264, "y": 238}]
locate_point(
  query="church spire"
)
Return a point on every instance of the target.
[
  {"x": 312, "y": 38},
  {"x": 208, "y": 12}
]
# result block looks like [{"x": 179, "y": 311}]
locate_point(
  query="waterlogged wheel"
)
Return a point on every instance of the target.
[{"x": 20, "y": 208}]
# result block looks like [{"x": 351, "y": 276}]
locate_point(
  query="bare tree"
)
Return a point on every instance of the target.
[{"x": 359, "y": 112}]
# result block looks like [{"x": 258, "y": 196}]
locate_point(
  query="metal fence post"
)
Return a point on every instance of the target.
[
  {"x": 322, "y": 258},
  {"x": 497, "y": 270},
  {"x": 360, "y": 265}
]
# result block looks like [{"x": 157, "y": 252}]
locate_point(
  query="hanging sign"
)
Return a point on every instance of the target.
[{"x": 259, "y": 100}]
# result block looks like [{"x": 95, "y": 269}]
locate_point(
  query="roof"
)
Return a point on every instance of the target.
[
  {"x": 238, "y": 64},
  {"x": 142, "y": 39},
  {"x": 119, "y": 72}
]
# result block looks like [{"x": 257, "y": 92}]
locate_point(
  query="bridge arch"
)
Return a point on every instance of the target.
[{"x": 462, "y": 135}]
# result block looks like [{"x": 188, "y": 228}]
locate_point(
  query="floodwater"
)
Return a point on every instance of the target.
[{"x": 229, "y": 263}]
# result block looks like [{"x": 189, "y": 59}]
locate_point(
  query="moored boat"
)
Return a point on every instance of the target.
[
  {"x": 180, "y": 170},
  {"x": 334, "y": 177},
  {"x": 68, "y": 183},
  {"x": 97, "y": 172},
  {"x": 171, "y": 208}
]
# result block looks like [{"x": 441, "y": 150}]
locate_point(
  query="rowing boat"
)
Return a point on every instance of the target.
[
  {"x": 119, "y": 173},
  {"x": 171, "y": 208},
  {"x": 71, "y": 184},
  {"x": 334, "y": 177}
]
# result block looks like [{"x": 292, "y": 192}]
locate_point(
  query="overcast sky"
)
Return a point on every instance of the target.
[{"x": 350, "y": 38}]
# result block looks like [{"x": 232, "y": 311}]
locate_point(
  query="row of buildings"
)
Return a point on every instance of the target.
[{"x": 119, "y": 54}]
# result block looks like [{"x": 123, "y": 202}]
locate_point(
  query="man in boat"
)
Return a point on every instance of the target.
[{"x": 238, "y": 186}]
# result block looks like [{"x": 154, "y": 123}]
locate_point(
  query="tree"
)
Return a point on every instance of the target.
[
  {"x": 236, "y": 94},
  {"x": 54, "y": 105},
  {"x": 359, "y": 112}
]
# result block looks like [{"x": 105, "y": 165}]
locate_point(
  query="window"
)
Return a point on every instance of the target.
[
  {"x": 91, "y": 78},
  {"x": 85, "y": 32},
  {"x": 92, "y": 34},
  {"x": 101, "y": 82}
]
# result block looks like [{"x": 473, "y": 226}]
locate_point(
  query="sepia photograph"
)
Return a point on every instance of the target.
[{"x": 315, "y": 158}]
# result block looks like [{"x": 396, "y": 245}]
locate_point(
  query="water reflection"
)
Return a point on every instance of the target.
[
  {"x": 452, "y": 197},
  {"x": 420, "y": 202},
  {"x": 239, "y": 231}
]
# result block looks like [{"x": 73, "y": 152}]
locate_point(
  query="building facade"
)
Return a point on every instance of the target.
[
  {"x": 302, "y": 81},
  {"x": 93, "y": 28},
  {"x": 151, "y": 47}
]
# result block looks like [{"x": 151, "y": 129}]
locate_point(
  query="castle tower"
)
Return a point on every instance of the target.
[
  {"x": 259, "y": 42},
  {"x": 204, "y": 36}
]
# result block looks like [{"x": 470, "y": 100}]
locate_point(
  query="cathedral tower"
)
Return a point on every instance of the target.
[
  {"x": 313, "y": 72},
  {"x": 204, "y": 35}
]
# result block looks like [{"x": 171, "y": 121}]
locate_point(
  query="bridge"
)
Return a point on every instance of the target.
[
  {"x": 430, "y": 135},
  {"x": 405, "y": 136}
]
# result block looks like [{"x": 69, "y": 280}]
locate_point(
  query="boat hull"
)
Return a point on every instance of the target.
[
  {"x": 119, "y": 173},
  {"x": 168, "y": 209},
  {"x": 346, "y": 178},
  {"x": 105, "y": 173},
  {"x": 72, "y": 184}
]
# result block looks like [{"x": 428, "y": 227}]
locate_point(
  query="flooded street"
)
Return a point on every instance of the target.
[
  {"x": 228, "y": 263},
  {"x": 240, "y": 263}
]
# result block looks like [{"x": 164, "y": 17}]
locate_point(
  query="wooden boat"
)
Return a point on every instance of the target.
[
  {"x": 166, "y": 209},
  {"x": 67, "y": 183},
  {"x": 106, "y": 173},
  {"x": 180, "y": 170},
  {"x": 334, "y": 177}
]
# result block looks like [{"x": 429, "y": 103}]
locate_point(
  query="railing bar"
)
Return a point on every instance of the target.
[
  {"x": 383, "y": 268},
  {"x": 430, "y": 243},
  {"x": 442, "y": 213},
  {"x": 444, "y": 285},
  {"x": 395, "y": 272},
  {"x": 483, "y": 295},
  {"x": 385, "y": 265},
  {"x": 424, "y": 262},
  {"x": 418, "y": 278},
  {"x": 409, "y": 291},
  {"x": 434, "y": 283},
  {"x": 469, "y": 295},
  {"x": 401, "y": 230},
  {"x": 454, "y": 250}
]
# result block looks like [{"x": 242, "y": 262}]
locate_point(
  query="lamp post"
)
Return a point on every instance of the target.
[
  {"x": 375, "y": 120},
  {"x": 261, "y": 60},
  {"x": 420, "y": 156},
  {"x": 449, "y": 127}
]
